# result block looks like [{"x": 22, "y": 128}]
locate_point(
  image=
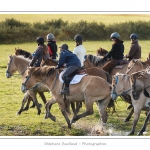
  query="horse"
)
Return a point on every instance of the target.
[
  {"x": 89, "y": 90},
  {"x": 90, "y": 71},
  {"x": 95, "y": 61},
  {"x": 25, "y": 53},
  {"x": 101, "y": 52},
  {"x": 20, "y": 63},
  {"x": 122, "y": 85}
]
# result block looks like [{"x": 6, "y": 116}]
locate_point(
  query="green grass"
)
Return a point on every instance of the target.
[
  {"x": 30, "y": 124},
  {"x": 105, "y": 18}
]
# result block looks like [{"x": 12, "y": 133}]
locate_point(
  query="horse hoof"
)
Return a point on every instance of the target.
[
  {"x": 40, "y": 105},
  {"x": 131, "y": 133},
  {"x": 18, "y": 113},
  {"x": 140, "y": 133},
  {"x": 32, "y": 106},
  {"x": 126, "y": 120}
]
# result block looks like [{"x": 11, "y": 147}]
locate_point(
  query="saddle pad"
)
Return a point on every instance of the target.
[{"x": 76, "y": 79}]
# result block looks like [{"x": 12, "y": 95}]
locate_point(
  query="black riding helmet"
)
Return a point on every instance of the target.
[
  {"x": 78, "y": 38},
  {"x": 133, "y": 36},
  {"x": 40, "y": 40}
]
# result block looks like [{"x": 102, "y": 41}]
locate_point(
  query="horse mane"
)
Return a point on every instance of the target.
[
  {"x": 23, "y": 52},
  {"x": 41, "y": 71},
  {"x": 101, "y": 52},
  {"x": 22, "y": 57},
  {"x": 95, "y": 60}
]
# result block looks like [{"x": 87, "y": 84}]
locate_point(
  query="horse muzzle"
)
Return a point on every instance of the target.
[
  {"x": 23, "y": 88},
  {"x": 113, "y": 96},
  {"x": 135, "y": 95},
  {"x": 8, "y": 75}
]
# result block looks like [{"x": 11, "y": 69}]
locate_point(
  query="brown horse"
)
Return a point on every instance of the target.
[
  {"x": 122, "y": 85},
  {"x": 20, "y": 64},
  {"x": 101, "y": 52},
  {"x": 95, "y": 61},
  {"x": 25, "y": 53},
  {"x": 91, "y": 89}
]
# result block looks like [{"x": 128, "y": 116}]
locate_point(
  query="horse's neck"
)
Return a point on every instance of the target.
[{"x": 21, "y": 65}]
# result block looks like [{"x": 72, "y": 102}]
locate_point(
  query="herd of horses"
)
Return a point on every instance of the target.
[{"x": 129, "y": 81}]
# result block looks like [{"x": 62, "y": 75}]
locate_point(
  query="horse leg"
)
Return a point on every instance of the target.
[
  {"x": 89, "y": 111},
  {"x": 28, "y": 103},
  {"x": 102, "y": 105},
  {"x": 42, "y": 97},
  {"x": 145, "y": 124},
  {"x": 129, "y": 116},
  {"x": 33, "y": 95},
  {"x": 136, "y": 118},
  {"x": 63, "y": 111},
  {"x": 48, "y": 106},
  {"x": 78, "y": 106},
  {"x": 26, "y": 96}
]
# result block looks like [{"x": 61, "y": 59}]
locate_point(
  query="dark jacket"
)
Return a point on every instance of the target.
[
  {"x": 135, "y": 51},
  {"x": 116, "y": 51},
  {"x": 68, "y": 58},
  {"x": 52, "y": 48}
]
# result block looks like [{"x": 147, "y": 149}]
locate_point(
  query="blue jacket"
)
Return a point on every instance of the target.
[{"x": 68, "y": 58}]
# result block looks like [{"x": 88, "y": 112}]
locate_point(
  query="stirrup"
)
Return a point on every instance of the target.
[{"x": 65, "y": 91}]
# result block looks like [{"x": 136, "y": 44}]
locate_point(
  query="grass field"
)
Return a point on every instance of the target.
[
  {"x": 30, "y": 124},
  {"x": 105, "y": 18}
]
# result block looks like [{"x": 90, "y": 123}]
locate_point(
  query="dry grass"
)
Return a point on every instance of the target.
[{"x": 105, "y": 18}]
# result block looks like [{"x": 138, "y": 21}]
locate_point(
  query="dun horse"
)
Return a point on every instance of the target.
[
  {"x": 19, "y": 63},
  {"x": 89, "y": 90},
  {"x": 122, "y": 85}
]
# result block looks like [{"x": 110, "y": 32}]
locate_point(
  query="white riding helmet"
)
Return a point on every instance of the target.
[
  {"x": 114, "y": 35},
  {"x": 50, "y": 36}
]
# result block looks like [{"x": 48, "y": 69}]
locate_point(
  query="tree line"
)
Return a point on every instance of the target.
[{"x": 14, "y": 31}]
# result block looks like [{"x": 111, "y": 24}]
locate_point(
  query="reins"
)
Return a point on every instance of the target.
[{"x": 35, "y": 86}]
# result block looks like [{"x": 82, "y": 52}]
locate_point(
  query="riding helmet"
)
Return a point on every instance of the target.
[
  {"x": 133, "y": 36},
  {"x": 50, "y": 36},
  {"x": 114, "y": 35},
  {"x": 40, "y": 40},
  {"x": 78, "y": 38}
]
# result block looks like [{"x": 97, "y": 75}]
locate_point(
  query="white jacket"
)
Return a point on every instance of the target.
[{"x": 80, "y": 51}]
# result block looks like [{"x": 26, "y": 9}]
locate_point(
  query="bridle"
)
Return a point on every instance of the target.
[
  {"x": 36, "y": 86},
  {"x": 7, "y": 71},
  {"x": 114, "y": 88}
]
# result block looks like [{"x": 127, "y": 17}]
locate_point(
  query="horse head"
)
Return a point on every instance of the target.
[
  {"x": 11, "y": 68},
  {"x": 120, "y": 85},
  {"x": 137, "y": 85},
  {"x": 101, "y": 52}
]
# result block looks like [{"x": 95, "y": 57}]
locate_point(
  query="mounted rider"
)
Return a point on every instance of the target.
[
  {"x": 72, "y": 63},
  {"x": 115, "y": 54},
  {"x": 79, "y": 50},
  {"x": 52, "y": 46},
  {"x": 135, "y": 48},
  {"x": 41, "y": 53}
]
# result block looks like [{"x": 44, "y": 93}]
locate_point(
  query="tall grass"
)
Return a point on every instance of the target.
[{"x": 30, "y": 124}]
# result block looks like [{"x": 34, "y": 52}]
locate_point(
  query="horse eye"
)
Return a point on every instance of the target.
[{"x": 26, "y": 76}]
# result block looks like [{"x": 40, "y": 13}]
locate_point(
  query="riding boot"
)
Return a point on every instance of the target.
[{"x": 65, "y": 91}]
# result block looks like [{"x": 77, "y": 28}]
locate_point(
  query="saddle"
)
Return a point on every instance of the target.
[{"x": 121, "y": 63}]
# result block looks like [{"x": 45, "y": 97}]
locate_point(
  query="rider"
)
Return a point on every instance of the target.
[
  {"x": 116, "y": 52},
  {"x": 79, "y": 50},
  {"x": 72, "y": 63},
  {"x": 40, "y": 54},
  {"x": 52, "y": 47},
  {"x": 135, "y": 48}
]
